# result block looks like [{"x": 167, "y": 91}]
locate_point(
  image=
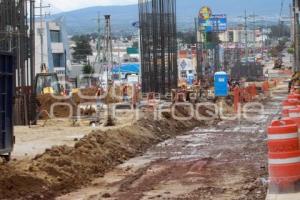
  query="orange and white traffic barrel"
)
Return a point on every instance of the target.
[
  {"x": 294, "y": 114},
  {"x": 294, "y": 96},
  {"x": 290, "y": 103},
  {"x": 283, "y": 136},
  {"x": 285, "y": 113},
  {"x": 284, "y": 168}
]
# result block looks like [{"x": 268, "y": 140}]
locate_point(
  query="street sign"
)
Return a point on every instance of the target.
[{"x": 183, "y": 64}]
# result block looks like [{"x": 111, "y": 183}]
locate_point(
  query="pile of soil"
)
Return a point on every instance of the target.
[
  {"x": 87, "y": 96},
  {"x": 63, "y": 169},
  {"x": 46, "y": 101}
]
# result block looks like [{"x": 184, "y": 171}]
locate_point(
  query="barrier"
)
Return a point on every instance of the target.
[
  {"x": 236, "y": 98},
  {"x": 294, "y": 114},
  {"x": 284, "y": 146},
  {"x": 283, "y": 136},
  {"x": 284, "y": 168},
  {"x": 294, "y": 96},
  {"x": 266, "y": 88},
  {"x": 241, "y": 95},
  {"x": 290, "y": 103}
]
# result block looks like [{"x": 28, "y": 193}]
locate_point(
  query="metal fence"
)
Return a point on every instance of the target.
[{"x": 158, "y": 45}]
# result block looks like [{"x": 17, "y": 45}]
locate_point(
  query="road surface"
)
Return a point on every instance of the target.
[{"x": 225, "y": 161}]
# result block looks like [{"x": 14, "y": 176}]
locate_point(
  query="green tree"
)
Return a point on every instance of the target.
[
  {"x": 187, "y": 37},
  {"x": 213, "y": 38},
  {"x": 135, "y": 45},
  {"x": 82, "y": 48},
  {"x": 88, "y": 69}
]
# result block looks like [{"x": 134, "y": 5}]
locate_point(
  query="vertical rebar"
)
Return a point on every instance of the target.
[{"x": 158, "y": 36}]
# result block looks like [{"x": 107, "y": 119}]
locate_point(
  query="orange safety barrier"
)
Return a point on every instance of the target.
[
  {"x": 253, "y": 90},
  {"x": 284, "y": 168},
  {"x": 247, "y": 94},
  {"x": 283, "y": 136},
  {"x": 290, "y": 103},
  {"x": 294, "y": 114},
  {"x": 285, "y": 112},
  {"x": 266, "y": 87},
  {"x": 236, "y": 98},
  {"x": 294, "y": 96}
]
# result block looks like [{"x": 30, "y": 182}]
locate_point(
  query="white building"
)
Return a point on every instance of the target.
[
  {"x": 253, "y": 38},
  {"x": 54, "y": 51}
]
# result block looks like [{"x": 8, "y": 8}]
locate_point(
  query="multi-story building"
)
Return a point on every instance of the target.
[
  {"x": 253, "y": 38},
  {"x": 52, "y": 47}
]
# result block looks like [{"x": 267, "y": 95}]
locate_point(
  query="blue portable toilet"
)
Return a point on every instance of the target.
[{"x": 221, "y": 84}]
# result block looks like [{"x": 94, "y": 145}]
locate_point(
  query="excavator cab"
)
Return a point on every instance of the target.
[{"x": 47, "y": 83}]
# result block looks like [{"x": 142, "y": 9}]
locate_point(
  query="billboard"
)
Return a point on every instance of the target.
[
  {"x": 216, "y": 23},
  {"x": 205, "y": 13}
]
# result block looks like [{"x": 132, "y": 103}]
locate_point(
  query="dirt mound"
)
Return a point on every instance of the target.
[
  {"x": 62, "y": 169},
  {"x": 46, "y": 101}
]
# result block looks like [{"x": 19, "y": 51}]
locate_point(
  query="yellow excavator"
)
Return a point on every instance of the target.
[{"x": 46, "y": 83}]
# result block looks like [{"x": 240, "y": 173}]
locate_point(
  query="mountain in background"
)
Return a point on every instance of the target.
[{"x": 84, "y": 20}]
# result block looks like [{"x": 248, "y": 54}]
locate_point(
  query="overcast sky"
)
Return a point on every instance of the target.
[{"x": 67, "y": 5}]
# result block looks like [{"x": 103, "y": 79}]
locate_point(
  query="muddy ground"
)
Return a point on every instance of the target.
[
  {"x": 62, "y": 169},
  {"x": 218, "y": 160},
  {"x": 223, "y": 161}
]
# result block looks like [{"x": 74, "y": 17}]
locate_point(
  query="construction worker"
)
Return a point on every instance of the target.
[{"x": 125, "y": 93}]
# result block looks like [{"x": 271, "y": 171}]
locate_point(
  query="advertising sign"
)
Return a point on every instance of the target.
[
  {"x": 205, "y": 13},
  {"x": 216, "y": 23}
]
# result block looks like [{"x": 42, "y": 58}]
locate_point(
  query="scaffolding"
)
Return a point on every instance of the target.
[
  {"x": 17, "y": 40},
  {"x": 159, "y": 67}
]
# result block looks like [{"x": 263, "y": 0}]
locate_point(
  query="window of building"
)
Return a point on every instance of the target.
[
  {"x": 58, "y": 59},
  {"x": 55, "y": 36}
]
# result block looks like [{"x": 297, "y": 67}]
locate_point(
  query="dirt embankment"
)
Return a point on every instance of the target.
[{"x": 63, "y": 169}]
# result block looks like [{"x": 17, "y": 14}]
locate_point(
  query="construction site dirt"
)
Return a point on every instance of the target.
[{"x": 216, "y": 160}]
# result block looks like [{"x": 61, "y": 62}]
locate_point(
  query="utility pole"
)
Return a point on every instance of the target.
[
  {"x": 246, "y": 37},
  {"x": 254, "y": 33},
  {"x": 108, "y": 59},
  {"x": 41, "y": 31},
  {"x": 99, "y": 57}
]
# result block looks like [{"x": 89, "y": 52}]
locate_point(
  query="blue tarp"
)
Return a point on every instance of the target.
[{"x": 127, "y": 68}]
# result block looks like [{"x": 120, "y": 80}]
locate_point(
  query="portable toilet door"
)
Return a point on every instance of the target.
[
  {"x": 6, "y": 105},
  {"x": 221, "y": 84}
]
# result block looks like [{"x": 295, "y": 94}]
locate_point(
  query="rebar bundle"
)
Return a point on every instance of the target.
[
  {"x": 17, "y": 40},
  {"x": 17, "y": 36},
  {"x": 158, "y": 45}
]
